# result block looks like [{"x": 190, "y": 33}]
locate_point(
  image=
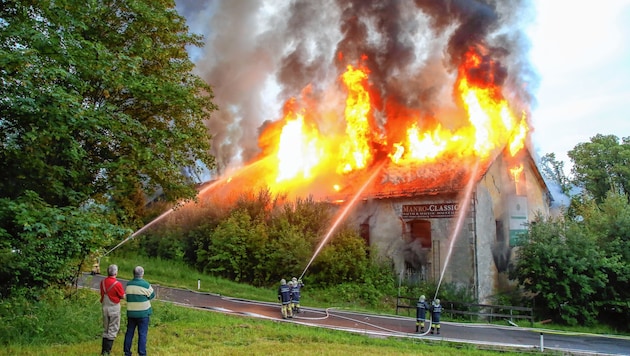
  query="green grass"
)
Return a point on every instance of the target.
[
  {"x": 180, "y": 275},
  {"x": 176, "y": 330},
  {"x": 72, "y": 326}
]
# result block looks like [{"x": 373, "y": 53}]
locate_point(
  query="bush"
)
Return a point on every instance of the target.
[{"x": 54, "y": 317}]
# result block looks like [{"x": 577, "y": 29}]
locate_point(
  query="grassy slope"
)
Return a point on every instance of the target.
[
  {"x": 177, "y": 330},
  {"x": 182, "y": 331}
]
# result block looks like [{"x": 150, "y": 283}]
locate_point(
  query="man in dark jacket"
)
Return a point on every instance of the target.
[{"x": 139, "y": 294}]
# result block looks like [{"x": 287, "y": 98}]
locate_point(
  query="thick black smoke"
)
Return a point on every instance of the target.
[{"x": 258, "y": 54}]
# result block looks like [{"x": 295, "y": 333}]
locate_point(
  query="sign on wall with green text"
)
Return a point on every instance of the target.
[{"x": 518, "y": 219}]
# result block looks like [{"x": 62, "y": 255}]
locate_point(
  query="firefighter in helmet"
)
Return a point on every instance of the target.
[
  {"x": 436, "y": 311},
  {"x": 284, "y": 297},
  {"x": 421, "y": 312},
  {"x": 296, "y": 285}
]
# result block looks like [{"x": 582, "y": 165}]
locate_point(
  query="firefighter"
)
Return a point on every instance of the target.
[
  {"x": 96, "y": 267},
  {"x": 421, "y": 312},
  {"x": 284, "y": 297},
  {"x": 290, "y": 283},
  {"x": 295, "y": 294},
  {"x": 436, "y": 311}
]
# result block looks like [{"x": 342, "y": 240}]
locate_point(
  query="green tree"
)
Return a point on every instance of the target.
[
  {"x": 602, "y": 165},
  {"x": 50, "y": 244},
  {"x": 287, "y": 252},
  {"x": 553, "y": 171},
  {"x": 99, "y": 107},
  {"x": 99, "y": 101},
  {"x": 610, "y": 222},
  {"x": 236, "y": 248},
  {"x": 578, "y": 267},
  {"x": 343, "y": 259},
  {"x": 562, "y": 265}
]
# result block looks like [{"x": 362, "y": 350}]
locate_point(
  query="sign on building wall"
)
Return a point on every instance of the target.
[
  {"x": 518, "y": 219},
  {"x": 427, "y": 211}
]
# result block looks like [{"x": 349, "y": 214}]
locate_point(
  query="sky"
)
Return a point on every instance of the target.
[{"x": 581, "y": 51}]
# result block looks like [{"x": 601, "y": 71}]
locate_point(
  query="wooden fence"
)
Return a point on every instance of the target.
[{"x": 474, "y": 311}]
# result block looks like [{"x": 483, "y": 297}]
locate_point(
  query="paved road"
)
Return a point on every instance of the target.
[{"x": 493, "y": 336}]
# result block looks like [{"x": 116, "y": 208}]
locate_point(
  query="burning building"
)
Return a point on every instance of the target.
[
  {"x": 414, "y": 113},
  {"x": 464, "y": 229}
]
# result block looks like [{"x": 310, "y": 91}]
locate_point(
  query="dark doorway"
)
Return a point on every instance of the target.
[
  {"x": 364, "y": 232},
  {"x": 421, "y": 230}
]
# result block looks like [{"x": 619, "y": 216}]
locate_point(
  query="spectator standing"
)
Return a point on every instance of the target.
[
  {"x": 111, "y": 293},
  {"x": 139, "y": 294}
]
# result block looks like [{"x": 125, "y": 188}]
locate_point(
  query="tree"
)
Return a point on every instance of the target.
[
  {"x": 99, "y": 101},
  {"x": 236, "y": 248},
  {"x": 562, "y": 265},
  {"x": 343, "y": 259},
  {"x": 602, "y": 165},
  {"x": 99, "y": 108},
  {"x": 50, "y": 244},
  {"x": 578, "y": 268},
  {"x": 553, "y": 172},
  {"x": 610, "y": 222}
]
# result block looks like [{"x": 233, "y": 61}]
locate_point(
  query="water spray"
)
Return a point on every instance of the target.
[
  {"x": 150, "y": 223},
  {"x": 343, "y": 215},
  {"x": 458, "y": 224}
]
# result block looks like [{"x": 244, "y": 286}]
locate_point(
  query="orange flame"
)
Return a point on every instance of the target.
[
  {"x": 302, "y": 152},
  {"x": 518, "y": 138},
  {"x": 355, "y": 151},
  {"x": 422, "y": 147},
  {"x": 491, "y": 119},
  {"x": 298, "y": 151},
  {"x": 516, "y": 172},
  {"x": 490, "y": 122}
]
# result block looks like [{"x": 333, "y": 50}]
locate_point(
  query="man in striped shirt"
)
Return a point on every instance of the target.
[{"x": 139, "y": 294}]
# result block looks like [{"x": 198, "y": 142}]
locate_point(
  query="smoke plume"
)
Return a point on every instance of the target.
[{"x": 259, "y": 54}]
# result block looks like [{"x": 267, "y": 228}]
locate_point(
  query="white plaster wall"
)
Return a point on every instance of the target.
[
  {"x": 385, "y": 228},
  {"x": 486, "y": 235},
  {"x": 388, "y": 240},
  {"x": 475, "y": 250}
]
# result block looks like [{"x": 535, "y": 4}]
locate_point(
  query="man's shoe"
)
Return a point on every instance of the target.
[
  {"x": 104, "y": 347},
  {"x": 108, "y": 346}
]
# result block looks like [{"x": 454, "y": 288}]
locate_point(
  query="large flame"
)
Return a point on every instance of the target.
[
  {"x": 302, "y": 152},
  {"x": 355, "y": 151},
  {"x": 298, "y": 149}
]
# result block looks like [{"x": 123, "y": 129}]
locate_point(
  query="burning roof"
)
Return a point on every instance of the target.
[{"x": 419, "y": 90}]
